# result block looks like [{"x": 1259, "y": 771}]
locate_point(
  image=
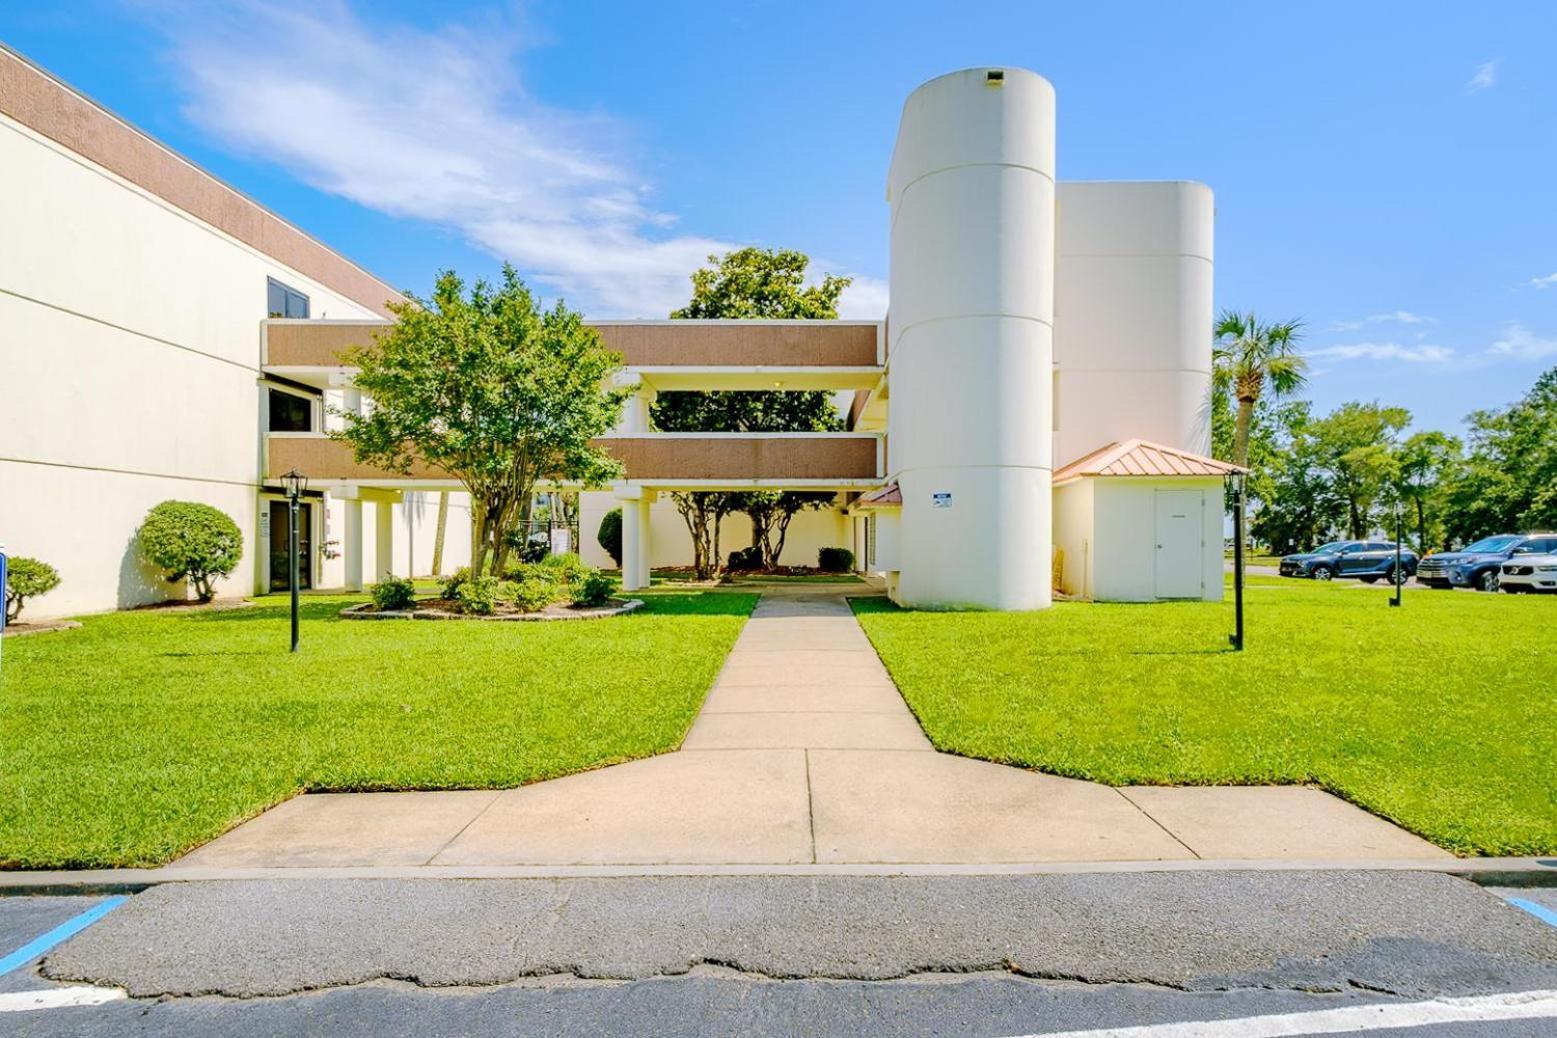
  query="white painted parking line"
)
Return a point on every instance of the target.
[
  {"x": 57, "y": 998},
  {"x": 1522, "y": 1005}
]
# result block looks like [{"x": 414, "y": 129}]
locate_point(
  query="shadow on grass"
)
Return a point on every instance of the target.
[
  {"x": 672, "y": 602},
  {"x": 270, "y": 612}
]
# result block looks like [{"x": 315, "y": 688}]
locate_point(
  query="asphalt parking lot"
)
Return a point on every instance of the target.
[{"x": 976, "y": 956}]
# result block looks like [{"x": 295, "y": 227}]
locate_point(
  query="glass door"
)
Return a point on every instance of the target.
[{"x": 280, "y": 562}]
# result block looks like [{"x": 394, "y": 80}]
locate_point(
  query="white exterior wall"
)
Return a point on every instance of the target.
[
  {"x": 1132, "y": 316},
  {"x": 970, "y": 354},
  {"x": 1124, "y": 537},
  {"x": 1073, "y": 521},
  {"x": 129, "y": 343}
]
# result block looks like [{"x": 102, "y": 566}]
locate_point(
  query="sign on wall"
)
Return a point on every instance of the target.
[{"x": 941, "y": 499}]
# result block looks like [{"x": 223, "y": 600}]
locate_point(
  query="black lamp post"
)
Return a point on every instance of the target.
[
  {"x": 1236, "y": 638},
  {"x": 1398, "y": 575},
  {"x": 295, "y": 483}
]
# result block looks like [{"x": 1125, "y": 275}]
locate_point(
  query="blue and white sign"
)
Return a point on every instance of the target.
[
  {"x": 4, "y": 576},
  {"x": 940, "y": 499}
]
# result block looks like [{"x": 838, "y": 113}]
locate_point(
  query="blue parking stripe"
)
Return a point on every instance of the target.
[
  {"x": 61, "y": 933},
  {"x": 1541, "y": 912}
]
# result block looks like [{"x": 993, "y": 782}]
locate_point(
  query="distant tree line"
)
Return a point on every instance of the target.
[{"x": 1344, "y": 474}]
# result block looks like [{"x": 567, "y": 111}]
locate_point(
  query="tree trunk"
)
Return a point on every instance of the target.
[
  {"x": 1241, "y": 431},
  {"x": 777, "y": 549},
  {"x": 1421, "y": 525},
  {"x": 443, "y": 528}
]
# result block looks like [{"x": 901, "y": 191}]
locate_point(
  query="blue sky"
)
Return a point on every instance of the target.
[{"x": 1385, "y": 171}]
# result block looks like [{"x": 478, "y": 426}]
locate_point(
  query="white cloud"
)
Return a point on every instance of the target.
[
  {"x": 1544, "y": 282},
  {"x": 1486, "y": 76},
  {"x": 864, "y": 300},
  {"x": 437, "y": 126},
  {"x": 1390, "y": 317},
  {"x": 1414, "y": 354},
  {"x": 1520, "y": 343}
]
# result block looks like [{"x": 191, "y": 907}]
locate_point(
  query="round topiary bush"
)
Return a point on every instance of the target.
[
  {"x": 194, "y": 541},
  {"x": 610, "y": 535},
  {"x": 393, "y": 593},
  {"x": 26, "y": 578}
]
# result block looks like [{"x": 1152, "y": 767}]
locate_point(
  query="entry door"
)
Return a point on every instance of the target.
[
  {"x": 1180, "y": 547},
  {"x": 280, "y": 561}
]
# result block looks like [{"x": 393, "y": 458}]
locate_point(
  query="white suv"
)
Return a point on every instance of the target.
[{"x": 1531, "y": 571}]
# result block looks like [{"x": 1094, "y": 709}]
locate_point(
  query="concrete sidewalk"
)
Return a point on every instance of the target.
[{"x": 805, "y": 753}]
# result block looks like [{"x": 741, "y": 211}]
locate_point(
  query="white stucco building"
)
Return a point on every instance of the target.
[{"x": 1031, "y": 417}]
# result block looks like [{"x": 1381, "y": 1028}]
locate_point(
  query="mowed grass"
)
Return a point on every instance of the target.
[
  {"x": 1439, "y": 715},
  {"x": 145, "y": 734}
]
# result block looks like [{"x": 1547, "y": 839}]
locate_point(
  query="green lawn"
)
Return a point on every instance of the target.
[
  {"x": 1441, "y": 716},
  {"x": 144, "y": 734}
]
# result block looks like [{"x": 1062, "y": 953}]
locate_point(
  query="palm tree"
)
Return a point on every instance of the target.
[{"x": 1249, "y": 355}]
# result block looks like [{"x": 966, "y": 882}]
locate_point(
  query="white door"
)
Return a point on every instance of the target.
[{"x": 1180, "y": 543}]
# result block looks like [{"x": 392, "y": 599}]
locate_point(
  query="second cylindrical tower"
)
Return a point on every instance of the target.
[{"x": 970, "y": 339}]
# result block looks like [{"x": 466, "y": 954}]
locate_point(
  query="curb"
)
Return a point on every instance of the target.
[{"x": 1510, "y": 872}]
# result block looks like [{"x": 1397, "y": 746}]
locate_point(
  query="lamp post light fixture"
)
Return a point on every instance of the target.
[{"x": 295, "y": 483}]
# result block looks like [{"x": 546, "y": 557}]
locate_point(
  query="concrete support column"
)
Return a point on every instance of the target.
[
  {"x": 351, "y": 543},
  {"x": 383, "y": 538},
  {"x": 633, "y": 536},
  {"x": 635, "y": 411},
  {"x": 637, "y": 543},
  {"x": 645, "y": 540}
]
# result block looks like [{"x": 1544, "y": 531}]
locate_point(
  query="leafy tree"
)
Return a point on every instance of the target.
[
  {"x": 704, "y": 511},
  {"x": 1357, "y": 445},
  {"x": 1425, "y": 468},
  {"x": 1509, "y": 479},
  {"x": 26, "y": 578},
  {"x": 1250, "y": 356},
  {"x": 492, "y": 390},
  {"x": 1298, "y": 508},
  {"x": 192, "y": 540},
  {"x": 751, "y": 283},
  {"x": 772, "y": 511}
]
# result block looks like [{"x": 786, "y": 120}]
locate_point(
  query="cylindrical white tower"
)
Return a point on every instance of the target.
[{"x": 970, "y": 339}]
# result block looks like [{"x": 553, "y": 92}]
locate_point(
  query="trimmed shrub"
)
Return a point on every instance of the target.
[
  {"x": 450, "y": 587},
  {"x": 567, "y": 568},
  {"x": 744, "y": 560},
  {"x": 393, "y": 593},
  {"x": 480, "y": 595},
  {"x": 594, "y": 590},
  {"x": 534, "y": 593},
  {"x": 834, "y": 560},
  {"x": 194, "y": 541},
  {"x": 26, "y": 578},
  {"x": 610, "y": 535}
]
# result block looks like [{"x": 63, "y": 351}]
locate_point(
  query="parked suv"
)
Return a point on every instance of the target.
[
  {"x": 1479, "y": 565},
  {"x": 1531, "y": 568},
  {"x": 1365, "y": 560}
]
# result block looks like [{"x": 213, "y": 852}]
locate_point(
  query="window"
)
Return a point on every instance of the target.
[
  {"x": 290, "y": 412},
  {"x": 281, "y": 301}
]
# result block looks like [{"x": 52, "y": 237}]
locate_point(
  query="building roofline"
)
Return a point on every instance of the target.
[{"x": 128, "y": 158}]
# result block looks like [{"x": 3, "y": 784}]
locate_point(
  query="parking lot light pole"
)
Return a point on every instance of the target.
[
  {"x": 295, "y": 483},
  {"x": 1236, "y": 638}
]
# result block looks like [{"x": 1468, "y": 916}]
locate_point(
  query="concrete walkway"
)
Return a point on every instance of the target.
[{"x": 805, "y": 753}]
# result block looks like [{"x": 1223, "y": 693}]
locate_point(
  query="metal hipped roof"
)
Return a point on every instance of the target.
[{"x": 1144, "y": 458}]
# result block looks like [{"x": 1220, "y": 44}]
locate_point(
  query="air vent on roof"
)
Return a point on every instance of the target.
[{"x": 995, "y": 77}]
